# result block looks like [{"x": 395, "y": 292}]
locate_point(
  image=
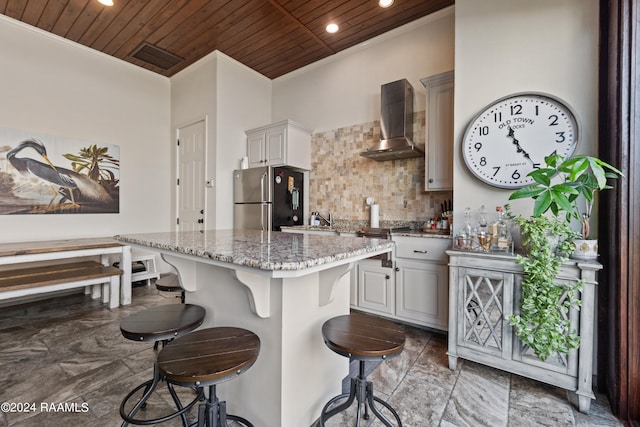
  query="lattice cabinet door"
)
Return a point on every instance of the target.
[
  {"x": 564, "y": 363},
  {"x": 485, "y": 302}
]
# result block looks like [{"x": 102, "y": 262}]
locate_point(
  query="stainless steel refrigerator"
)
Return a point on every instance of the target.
[{"x": 267, "y": 198}]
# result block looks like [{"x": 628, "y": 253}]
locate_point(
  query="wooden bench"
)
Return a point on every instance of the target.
[
  {"x": 37, "y": 280},
  {"x": 32, "y": 255}
]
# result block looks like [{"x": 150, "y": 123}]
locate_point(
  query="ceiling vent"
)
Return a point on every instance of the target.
[{"x": 155, "y": 56}]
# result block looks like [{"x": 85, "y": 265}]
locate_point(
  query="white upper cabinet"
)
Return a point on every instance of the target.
[
  {"x": 278, "y": 144},
  {"x": 439, "y": 132}
]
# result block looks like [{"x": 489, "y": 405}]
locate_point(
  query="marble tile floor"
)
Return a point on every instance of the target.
[{"x": 69, "y": 350}]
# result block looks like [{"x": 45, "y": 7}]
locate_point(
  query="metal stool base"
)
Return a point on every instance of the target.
[
  {"x": 150, "y": 386},
  {"x": 360, "y": 390},
  {"x": 213, "y": 412}
]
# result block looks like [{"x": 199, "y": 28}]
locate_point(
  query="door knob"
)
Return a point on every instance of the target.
[{"x": 201, "y": 221}]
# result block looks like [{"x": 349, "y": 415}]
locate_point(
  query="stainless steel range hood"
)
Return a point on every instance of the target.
[{"x": 396, "y": 124}]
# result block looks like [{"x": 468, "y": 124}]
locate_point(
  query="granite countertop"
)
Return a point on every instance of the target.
[
  {"x": 427, "y": 234},
  {"x": 262, "y": 250},
  {"x": 353, "y": 229}
]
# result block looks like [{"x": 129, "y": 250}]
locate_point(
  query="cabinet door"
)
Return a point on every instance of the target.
[
  {"x": 439, "y": 132},
  {"x": 376, "y": 286},
  {"x": 276, "y": 140},
  {"x": 484, "y": 302},
  {"x": 256, "y": 149},
  {"x": 566, "y": 363},
  {"x": 422, "y": 293}
]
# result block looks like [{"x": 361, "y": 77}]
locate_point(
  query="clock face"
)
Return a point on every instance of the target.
[{"x": 512, "y": 136}]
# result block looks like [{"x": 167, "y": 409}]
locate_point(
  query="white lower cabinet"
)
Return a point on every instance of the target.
[
  {"x": 422, "y": 293},
  {"x": 376, "y": 287},
  {"x": 415, "y": 291}
]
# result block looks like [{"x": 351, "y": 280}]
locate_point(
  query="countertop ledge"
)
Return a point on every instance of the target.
[{"x": 273, "y": 251}]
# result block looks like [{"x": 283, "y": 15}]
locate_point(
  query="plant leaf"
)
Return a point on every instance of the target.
[
  {"x": 530, "y": 191},
  {"x": 542, "y": 203}
]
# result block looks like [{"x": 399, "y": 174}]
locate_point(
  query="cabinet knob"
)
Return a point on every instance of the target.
[
  {"x": 430, "y": 180},
  {"x": 387, "y": 277}
]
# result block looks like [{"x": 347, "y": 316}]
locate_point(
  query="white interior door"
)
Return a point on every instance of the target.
[{"x": 191, "y": 177}]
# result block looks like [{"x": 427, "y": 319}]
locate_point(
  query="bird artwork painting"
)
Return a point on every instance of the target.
[{"x": 71, "y": 191}]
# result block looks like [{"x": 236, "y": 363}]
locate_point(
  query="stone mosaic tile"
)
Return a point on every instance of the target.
[{"x": 341, "y": 179}]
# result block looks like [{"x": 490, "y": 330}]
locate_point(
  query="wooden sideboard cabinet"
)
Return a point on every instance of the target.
[{"x": 484, "y": 290}]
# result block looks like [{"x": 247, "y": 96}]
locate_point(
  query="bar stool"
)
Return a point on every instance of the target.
[
  {"x": 170, "y": 283},
  {"x": 159, "y": 324},
  {"x": 206, "y": 358},
  {"x": 362, "y": 338}
]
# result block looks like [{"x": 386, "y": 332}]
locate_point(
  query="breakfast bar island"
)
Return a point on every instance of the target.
[{"x": 281, "y": 286}]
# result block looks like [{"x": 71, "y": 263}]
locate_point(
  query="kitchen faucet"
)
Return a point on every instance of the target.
[{"x": 327, "y": 221}]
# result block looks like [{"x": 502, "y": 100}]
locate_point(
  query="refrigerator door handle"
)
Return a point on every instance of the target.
[{"x": 262, "y": 182}]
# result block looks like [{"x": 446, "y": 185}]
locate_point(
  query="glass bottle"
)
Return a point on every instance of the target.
[
  {"x": 500, "y": 235},
  {"x": 463, "y": 239},
  {"x": 482, "y": 219},
  {"x": 483, "y": 236}
]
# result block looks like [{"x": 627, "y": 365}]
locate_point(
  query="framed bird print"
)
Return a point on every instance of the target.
[{"x": 45, "y": 174}]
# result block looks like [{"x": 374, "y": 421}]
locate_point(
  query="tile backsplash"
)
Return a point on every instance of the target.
[{"x": 341, "y": 179}]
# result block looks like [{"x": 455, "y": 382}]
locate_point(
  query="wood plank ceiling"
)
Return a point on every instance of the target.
[{"x": 273, "y": 37}]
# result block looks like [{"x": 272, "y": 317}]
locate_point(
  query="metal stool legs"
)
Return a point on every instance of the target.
[
  {"x": 213, "y": 413},
  {"x": 149, "y": 388},
  {"x": 360, "y": 390}
]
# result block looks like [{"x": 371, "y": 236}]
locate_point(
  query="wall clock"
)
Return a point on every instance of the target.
[{"x": 511, "y": 137}]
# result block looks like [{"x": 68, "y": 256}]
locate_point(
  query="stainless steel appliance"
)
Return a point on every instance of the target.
[
  {"x": 386, "y": 259},
  {"x": 396, "y": 124},
  {"x": 267, "y": 198}
]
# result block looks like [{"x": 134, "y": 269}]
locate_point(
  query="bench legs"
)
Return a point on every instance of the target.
[
  {"x": 114, "y": 291},
  {"x": 110, "y": 291}
]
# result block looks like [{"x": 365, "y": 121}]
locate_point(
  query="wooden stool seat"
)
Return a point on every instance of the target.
[
  {"x": 208, "y": 356},
  {"x": 361, "y": 337},
  {"x": 163, "y": 322},
  {"x": 170, "y": 283}
]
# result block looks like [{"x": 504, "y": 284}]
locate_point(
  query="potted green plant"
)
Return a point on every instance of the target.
[
  {"x": 543, "y": 322},
  {"x": 562, "y": 186}
]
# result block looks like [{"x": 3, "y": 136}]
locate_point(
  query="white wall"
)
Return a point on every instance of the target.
[
  {"x": 56, "y": 87},
  {"x": 244, "y": 102},
  {"x": 508, "y": 46},
  {"x": 344, "y": 89},
  {"x": 233, "y": 98}
]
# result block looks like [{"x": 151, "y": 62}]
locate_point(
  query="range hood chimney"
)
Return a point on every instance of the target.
[{"x": 396, "y": 124}]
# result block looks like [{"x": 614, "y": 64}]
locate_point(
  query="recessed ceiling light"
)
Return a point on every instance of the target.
[
  {"x": 332, "y": 28},
  {"x": 106, "y": 2},
  {"x": 385, "y": 3}
]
